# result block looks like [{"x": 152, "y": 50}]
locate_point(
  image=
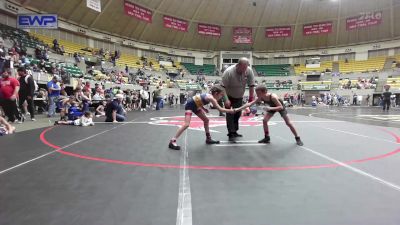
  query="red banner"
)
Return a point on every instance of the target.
[
  {"x": 317, "y": 28},
  {"x": 242, "y": 35},
  {"x": 242, "y": 30},
  {"x": 364, "y": 20},
  {"x": 138, "y": 12},
  {"x": 209, "y": 30},
  {"x": 277, "y": 32},
  {"x": 175, "y": 23}
]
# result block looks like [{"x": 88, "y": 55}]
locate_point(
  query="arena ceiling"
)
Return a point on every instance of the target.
[{"x": 228, "y": 14}]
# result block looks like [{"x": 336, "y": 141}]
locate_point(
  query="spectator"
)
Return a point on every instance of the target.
[
  {"x": 42, "y": 65},
  {"x": 54, "y": 93},
  {"x": 157, "y": 97},
  {"x": 100, "y": 110},
  {"x": 84, "y": 121},
  {"x": 144, "y": 96},
  {"x": 9, "y": 88},
  {"x": 114, "y": 110},
  {"x": 386, "y": 98},
  {"x": 26, "y": 91}
]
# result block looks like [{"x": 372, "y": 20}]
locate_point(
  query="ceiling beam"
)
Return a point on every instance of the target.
[
  {"x": 147, "y": 25},
  {"x": 259, "y": 23},
  {"x": 296, "y": 23},
  {"x": 191, "y": 22},
  {"x": 99, "y": 14}
]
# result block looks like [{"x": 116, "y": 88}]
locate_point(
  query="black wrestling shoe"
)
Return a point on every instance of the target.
[
  {"x": 265, "y": 140},
  {"x": 232, "y": 137},
  {"x": 55, "y": 123},
  {"x": 298, "y": 141},
  {"x": 236, "y": 134},
  {"x": 211, "y": 141},
  {"x": 174, "y": 146}
]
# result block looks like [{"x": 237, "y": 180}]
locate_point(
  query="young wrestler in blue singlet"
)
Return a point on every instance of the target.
[{"x": 196, "y": 105}]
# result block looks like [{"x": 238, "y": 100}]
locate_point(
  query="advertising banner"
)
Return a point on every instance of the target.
[
  {"x": 138, "y": 12},
  {"x": 317, "y": 28},
  {"x": 278, "y": 32},
  {"x": 242, "y": 35},
  {"x": 364, "y": 20},
  {"x": 175, "y": 23},
  {"x": 209, "y": 30}
]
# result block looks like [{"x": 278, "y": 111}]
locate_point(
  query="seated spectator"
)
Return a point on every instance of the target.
[
  {"x": 77, "y": 57},
  {"x": 86, "y": 100},
  {"x": 74, "y": 112},
  {"x": 5, "y": 127},
  {"x": 62, "y": 51},
  {"x": 87, "y": 86},
  {"x": 114, "y": 111},
  {"x": 42, "y": 65},
  {"x": 100, "y": 110},
  {"x": 84, "y": 121}
]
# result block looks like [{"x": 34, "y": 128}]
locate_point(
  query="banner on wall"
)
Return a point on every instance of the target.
[
  {"x": 317, "y": 28},
  {"x": 138, "y": 12},
  {"x": 94, "y": 4},
  {"x": 175, "y": 23},
  {"x": 364, "y": 20},
  {"x": 278, "y": 32},
  {"x": 209, "y": 30},
  {"x": 242, "y": 35}
]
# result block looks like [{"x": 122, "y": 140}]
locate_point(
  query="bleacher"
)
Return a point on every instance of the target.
[
  {"x": 22, "y": 36},
  {"x": 69, "y": 47},
  {"x": 316, "y": 85},
  {"x": 73, "y": 70},
  {"x": 303, "y": 69},
  {"x": 134, "y": 61},
  {"x": 394, "y": 82},
  {"x": 206, "y": 69},
  {"x": 272, "y": 70},
  {"x": 372, "y": 64}
]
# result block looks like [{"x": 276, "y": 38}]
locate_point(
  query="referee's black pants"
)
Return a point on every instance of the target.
[{"x": 232, "y": 120}]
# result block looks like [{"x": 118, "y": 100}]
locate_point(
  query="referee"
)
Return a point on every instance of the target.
[{"x": 235, "y": 79}]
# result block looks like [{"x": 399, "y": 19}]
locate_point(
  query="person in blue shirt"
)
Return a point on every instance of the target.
[
  {"x": 114, "y": 111},
  {"x": 54, "y": 92}
]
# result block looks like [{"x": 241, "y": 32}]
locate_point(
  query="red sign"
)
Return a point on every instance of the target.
[
  {"x": 317, "y": 28},
  {"x": 209, "y": 30},
  {"x": 277, "y": 32},
  {"x": 175, "y": 23},
  {"x": 138, "y": 12},
  {"x": 242, "y": 30},
  {"x": 242, "y": 35},
  {"x": 364, "y": 20}
]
